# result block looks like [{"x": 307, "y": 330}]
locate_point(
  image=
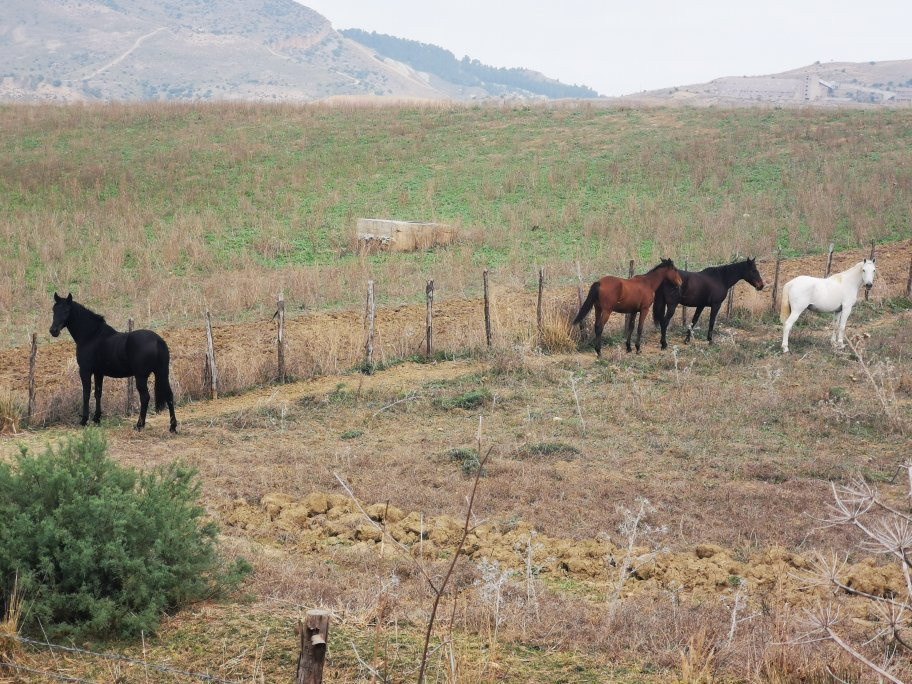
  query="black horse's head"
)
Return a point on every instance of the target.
[
  {"x": 752, "y": 275},
  {"x": 63, "y": 306}
]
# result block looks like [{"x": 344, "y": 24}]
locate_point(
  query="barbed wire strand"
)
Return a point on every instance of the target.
[
  {"x": 114, "y": 656},
  {"x": 52, "y": 675}
]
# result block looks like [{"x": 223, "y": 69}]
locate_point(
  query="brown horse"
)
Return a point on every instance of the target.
[{"x": 633, "y": 296}]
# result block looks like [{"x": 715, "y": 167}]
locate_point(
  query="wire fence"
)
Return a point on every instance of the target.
[{"x": 157, "y": 667}]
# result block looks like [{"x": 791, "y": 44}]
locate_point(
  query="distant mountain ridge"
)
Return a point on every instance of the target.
[
  {"x": 263, "y": 50},
  {"x": 826, "y": 84},
  {"x": 467, "y": 72}
]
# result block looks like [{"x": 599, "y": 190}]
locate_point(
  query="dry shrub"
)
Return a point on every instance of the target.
[
  {"x": 11, "y": 414},
  {"x": 507, "y": 361}
]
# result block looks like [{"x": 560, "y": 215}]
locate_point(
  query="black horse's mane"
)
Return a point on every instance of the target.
[
  {"x": 727, "y": 267},
  {"x": 663, "y": 262},
  {"x": 86, "y": 311}
]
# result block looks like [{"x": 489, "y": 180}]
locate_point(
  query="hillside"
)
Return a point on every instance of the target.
[
  {"x": 475, "y": 77},
  {"x": 222, "y": 49},
  {"x": 263, "y": 50},
  {"x": 829, "y": 84},
  {"x": 161, "y": 210}
]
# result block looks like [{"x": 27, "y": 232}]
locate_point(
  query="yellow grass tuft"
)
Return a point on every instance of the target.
[
  {"x": 9, "y": 626},
  {"x": 697, "y": 661},
  {"x": 11, "y": 414},
  {"x": 557, "y": 331}
]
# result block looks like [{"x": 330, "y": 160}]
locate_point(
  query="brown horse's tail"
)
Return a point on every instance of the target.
[
  {"x": 785, "y": 306},
  {"x": 588, "y": 304}
]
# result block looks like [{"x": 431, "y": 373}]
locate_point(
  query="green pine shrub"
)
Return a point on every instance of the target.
[{"x": 104, "y": 550}]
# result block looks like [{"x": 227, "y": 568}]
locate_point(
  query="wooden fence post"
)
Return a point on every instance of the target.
[
  {"x": 210, "y": 357},
  {"x": 280, "y": 339},
  {"x": 487, "y": 308},
  {"x": 539, "y": 312},
  {"x": 129, "y": 405},
  {"x": 627, "y": 317},
  {"x": 579, "y": 296},
  {"x": 867, "y": 290},
  {"x": 429, "y": 324},
  {"x": 730, "y": 303},
  {"x": 909, "y": 281},
  {"x": 313, "y": 636},
  {"x": 370, "y": 313},
  {"x": 775, "y": 296},
  {"x": 829, "y": 261},
  {"x": 30, "y": 411}
]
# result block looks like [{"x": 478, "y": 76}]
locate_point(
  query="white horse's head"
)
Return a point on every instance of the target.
[{"x": 867, "y": 272}]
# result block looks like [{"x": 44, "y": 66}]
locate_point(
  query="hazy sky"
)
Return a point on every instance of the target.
[{"x": 624, "y": 47}]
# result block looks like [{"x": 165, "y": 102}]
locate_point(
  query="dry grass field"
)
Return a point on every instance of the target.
[
  {"x": 733, "y": 446},
  {"x": 643, "y": 518}
]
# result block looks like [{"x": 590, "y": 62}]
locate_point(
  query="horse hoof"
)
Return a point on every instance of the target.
[
  {"x": 138, "y": 427},
  {"x": 173, "y": 428}
]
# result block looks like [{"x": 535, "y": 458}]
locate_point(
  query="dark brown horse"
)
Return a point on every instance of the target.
[
  {"x": 708, "y": 287},
  {"x": 628, "y": 296}
]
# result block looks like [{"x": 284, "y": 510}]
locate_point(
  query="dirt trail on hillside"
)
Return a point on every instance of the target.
[
  {"x": 399, "y": 378},
  {"x": 328, "y": 343}
]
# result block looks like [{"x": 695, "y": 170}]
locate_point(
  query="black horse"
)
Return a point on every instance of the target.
[
  {"x": 102, "y": 351},
  {"x": 709, "y": 288}
]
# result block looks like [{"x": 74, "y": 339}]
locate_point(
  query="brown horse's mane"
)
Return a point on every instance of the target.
[{"x": 662, "y": 263}]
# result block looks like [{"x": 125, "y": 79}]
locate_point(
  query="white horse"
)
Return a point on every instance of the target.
[{"x": 836, "y": 293}]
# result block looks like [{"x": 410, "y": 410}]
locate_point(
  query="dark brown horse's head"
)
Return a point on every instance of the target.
[
  {"x": 62, "y": 308},
  {"x": 751, "y": 274}
]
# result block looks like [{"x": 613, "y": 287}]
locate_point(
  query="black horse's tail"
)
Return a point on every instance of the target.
[
  {"x": 163, "y": 393},
  {"x": 658, "y": 305},
  {"x": 590, "y": 301}
]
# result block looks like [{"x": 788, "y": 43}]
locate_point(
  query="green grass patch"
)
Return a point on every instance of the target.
[
  {"x": 468, "y": 459},
  {"x": 552, "y": 449},
  {"x": 466, "y": 401}
]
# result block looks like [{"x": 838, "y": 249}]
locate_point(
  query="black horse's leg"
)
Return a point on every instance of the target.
[
  {"x": 640, "y": 328},
  {"x": 669, "y": 314},
  {"x": 693, "y": 323},
  {"x": 99, "y": 381},
  {"x": 173, "y": 426},
  {"x": 142, "y": 386},
  {"x": 713, "y": 311},
  {"x": 86, "y": 377}
]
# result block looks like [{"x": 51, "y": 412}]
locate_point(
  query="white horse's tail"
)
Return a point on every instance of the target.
[{"x": 785, "y": 306}]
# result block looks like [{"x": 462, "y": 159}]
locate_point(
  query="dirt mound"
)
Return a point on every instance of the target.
[{"x": 320, "y": 520}]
